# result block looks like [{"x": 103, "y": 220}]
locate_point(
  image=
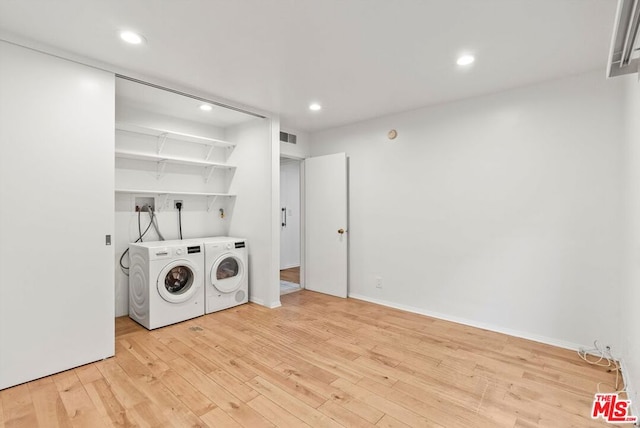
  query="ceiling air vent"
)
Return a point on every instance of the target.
[
  {"x": 285, "y": 137},
  {"x": 624, "y": 57}
]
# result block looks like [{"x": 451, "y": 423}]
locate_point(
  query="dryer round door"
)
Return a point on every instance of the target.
[
  {"x": 178, "y": 281},
  {"x": 227, "y": 273}
]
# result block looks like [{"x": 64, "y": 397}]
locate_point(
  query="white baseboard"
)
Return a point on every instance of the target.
[
  {"x": 275, "y": 304},
  {"x": 472, "y": 323},
  {"x": 630, "y": 387},
  {"x": 256, "y": 301},
  {"x": 272, "y": 305}
]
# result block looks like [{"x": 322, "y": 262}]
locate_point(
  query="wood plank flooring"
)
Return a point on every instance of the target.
[
  {"x": 318, "y": 361},
  {"x": 291, "y": 275}
]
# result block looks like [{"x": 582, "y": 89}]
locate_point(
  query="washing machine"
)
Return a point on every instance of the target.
[
  {"x": 226, "y": 273},
  {"x": 166, "y": 282}
]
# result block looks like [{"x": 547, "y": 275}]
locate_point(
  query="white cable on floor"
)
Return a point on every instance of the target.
[{"x": 604, "y": 359}]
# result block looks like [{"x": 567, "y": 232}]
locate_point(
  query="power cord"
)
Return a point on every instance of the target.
[
  {"x": 152, "y": 222},
  {"x": 156, "y": 227},
  {"x": 179, "y": 207}
]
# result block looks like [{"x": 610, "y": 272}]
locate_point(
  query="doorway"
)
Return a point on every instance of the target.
[{"x": 290, "y": 225}]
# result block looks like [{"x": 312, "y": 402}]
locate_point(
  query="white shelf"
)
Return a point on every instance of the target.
[
  {"x": 165, "y": 133},
  {"x": 170, "y": 192},
  {"x": 128, "y": 154},
  {"x": 169, "y": 138},
  {"x": 211, "y": 197}
]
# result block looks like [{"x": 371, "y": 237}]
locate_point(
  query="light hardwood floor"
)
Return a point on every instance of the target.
[
  {"x": 317, "y": 361},
  {"x": 291, "y": 275}
]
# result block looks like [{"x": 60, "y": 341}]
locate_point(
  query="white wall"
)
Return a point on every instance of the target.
[
  {"x": 630, "y": 296},
  {"x": 56, "y": 187},
  {"x": 255, "y": 214},
  {"x": 503, "y": 211},
  {"x": 300, "y": 150}
]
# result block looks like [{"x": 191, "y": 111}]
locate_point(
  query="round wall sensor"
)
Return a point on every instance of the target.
[{"x": 392, "y": 134}]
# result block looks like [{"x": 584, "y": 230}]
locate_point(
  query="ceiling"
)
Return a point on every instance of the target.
[{"x": 359, "y": 58}]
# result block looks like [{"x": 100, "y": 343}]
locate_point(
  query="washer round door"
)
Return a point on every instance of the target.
[
  {"x": 227, "y": 273},
  {"x": 177, "y": 281}
]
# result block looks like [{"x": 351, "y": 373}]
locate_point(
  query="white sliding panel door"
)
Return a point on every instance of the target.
[{"x": 56, "y": 210}]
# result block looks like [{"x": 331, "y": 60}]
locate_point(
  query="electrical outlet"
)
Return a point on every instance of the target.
[
  {"x": 144, "y": 203},
  {"x": 176, "y": 202},
  {"x": 378, "y": 282}
]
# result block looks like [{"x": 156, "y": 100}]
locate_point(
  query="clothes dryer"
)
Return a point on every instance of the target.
[
  {"x": 226, "y": 273},
  {"x": 166, "y": 282}
]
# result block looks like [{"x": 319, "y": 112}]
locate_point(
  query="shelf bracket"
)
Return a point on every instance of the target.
[
  {"x": 228, "y": 149},
  {"x": 162, "y": 139},
  {"x": 211, "y": 201},
  {"x": 161, "y": 166},
  {"x": 208, "y": 157},
  {"x": 208, "y": 173}
]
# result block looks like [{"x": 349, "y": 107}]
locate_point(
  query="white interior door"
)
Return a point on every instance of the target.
[{"x": 326, "y": 224}]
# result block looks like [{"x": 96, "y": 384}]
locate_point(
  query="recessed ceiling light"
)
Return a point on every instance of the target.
[
  {"x": 131, "y": 37},
  {"x": 465, "y": 60},
  {"x": 206, "y": 107},
  {"x": 315, "y": 107}
]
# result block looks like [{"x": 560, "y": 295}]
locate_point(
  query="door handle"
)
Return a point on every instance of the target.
[
  {"x": 284, "y": 217},
  {"x": 341, "y": 231}
]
